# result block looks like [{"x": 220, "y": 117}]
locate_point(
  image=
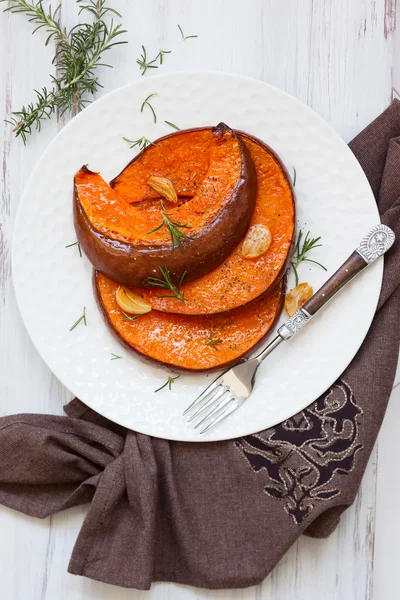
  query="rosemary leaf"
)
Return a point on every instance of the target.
[
  {"x": 129, "y": 317},
  {"x": 81, "y": 318},
  {"x": 76, "y": 244},
  {"x": 294, "y": 176},
  {"x": 213, "y": 342},
  {"x": 168, "y": 383},
  {"x": 115, "y": 356},
  {"x": 186, "y": 37},
  {"x": 147, "y": 103},
  {"x": 172, "y": 125}
]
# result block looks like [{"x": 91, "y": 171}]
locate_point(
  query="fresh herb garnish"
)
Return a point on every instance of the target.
[
  {"x": 172, "y": 125},
  {"x": 145, "y": 64},
  {"x": 301, "y": 251},
  {"x": 186, "y": 37},
  {"x": 115, "y": 356},
  {"x": 142, "y": 142},
  {"x": 213, "y": 342},
  {"x": 147, "y": 103},
  {"x": 167, "y": 283},
  {"x": 129, "y": 317},
  {"x": 161, "y": 54},
  {"x": 81, "y": 318},
  {"x": 168, "y": 383},
  {"x": 294, "y": 176},
  {"x": 76, "y": 244},
  {"x": 78, "y": 53},
  {"x": 173, "y": 227}
]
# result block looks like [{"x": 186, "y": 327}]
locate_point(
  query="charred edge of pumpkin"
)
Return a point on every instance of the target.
[
  {"x": 171, "y": 367},
  {"x": 85, "y": 169},
  {"x": 162, "y": 253}
]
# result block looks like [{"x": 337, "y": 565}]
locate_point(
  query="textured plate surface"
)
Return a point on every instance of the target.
[{"x": 53, "y": 283}]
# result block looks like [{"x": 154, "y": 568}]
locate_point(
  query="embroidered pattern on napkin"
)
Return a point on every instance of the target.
[{"x": 301, "y": 456}]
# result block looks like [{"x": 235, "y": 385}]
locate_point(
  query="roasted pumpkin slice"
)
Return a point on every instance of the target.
[
  {"x": 128, "y": 242},
  {"x": 239, "y": 279},
  {"x": 191, "y": 343}
]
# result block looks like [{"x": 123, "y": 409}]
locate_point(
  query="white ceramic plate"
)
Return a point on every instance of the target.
[{"x": 53, "y": 283}]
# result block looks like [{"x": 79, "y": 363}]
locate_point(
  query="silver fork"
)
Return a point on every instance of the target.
[{"x": 226, "y": 393}]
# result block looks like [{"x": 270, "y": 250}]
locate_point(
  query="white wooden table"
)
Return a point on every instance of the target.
[{"x": 338, "y": 57}]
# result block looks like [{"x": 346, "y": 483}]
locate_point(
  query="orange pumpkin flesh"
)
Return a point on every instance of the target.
[
  {"x": 238, "y": 280},
  {"x": 180, "y": 157},
  {"x": 180, "y": 341},
  {"x": 113, "y": 229}
]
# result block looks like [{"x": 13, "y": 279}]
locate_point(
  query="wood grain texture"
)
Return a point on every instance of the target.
[{"x": 334, "y": 55}]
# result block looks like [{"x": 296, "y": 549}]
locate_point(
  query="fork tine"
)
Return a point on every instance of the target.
[
  {"x": 204, "y": 393},
  {"x": 212, "y": 397},
  {"x": 213, "y": 408},
  {"x": 226, "y": 409}
]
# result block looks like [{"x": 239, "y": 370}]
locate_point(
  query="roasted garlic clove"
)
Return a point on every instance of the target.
[
  {"x": 164, "y": 187},
  {"x": 130, "y": 302},
  {"x": 257, "y": 241},
  {"x": 297, "y": 297}
]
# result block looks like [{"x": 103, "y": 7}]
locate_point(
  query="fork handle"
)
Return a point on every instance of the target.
[{"x": 374, "y": 245}]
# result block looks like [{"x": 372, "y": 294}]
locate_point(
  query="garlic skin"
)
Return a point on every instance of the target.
[
  {"x": 297, "y": 297},
  {"x": 164, "y": 187},
  {"x": 257, "y": 241},
  {"x": 131, "y": 303}
]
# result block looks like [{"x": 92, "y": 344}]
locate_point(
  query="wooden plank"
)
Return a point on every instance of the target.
[{"x": 334, "y": 55}]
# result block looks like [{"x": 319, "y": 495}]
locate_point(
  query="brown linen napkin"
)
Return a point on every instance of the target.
[{"x": 216, "y": 515}]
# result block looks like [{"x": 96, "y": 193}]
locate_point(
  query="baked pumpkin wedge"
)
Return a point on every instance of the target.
[
  {"x": 128, "y": 242},
  {"x": 190, "y": 343},
  {"x": 239, "y": 279}
]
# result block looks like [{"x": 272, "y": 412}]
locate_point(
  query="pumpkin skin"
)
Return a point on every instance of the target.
[
  {"x": 113, "y": 228},
  {"x": 238, "y": 280},
  {"x": 179, "y": 342}
]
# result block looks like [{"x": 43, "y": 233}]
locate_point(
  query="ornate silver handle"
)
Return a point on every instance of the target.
[{"x": 372, "y": 246}]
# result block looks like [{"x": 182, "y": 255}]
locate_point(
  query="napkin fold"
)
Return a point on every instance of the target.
[{"x": 217, "y": 515}]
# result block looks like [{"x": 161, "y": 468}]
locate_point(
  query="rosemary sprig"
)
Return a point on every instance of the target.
[
  {"x": 145, "y": 64},
  {"x": 173, "y": 227},
  {"x": 147, "y": 103},
  {"x": 168, "y": 383},
  {"x": 172, "y": 125},
  {"x": 115, "y": 356},
  {"x": 213, "y": 342},
  {"x": 142, "y": 142},
  {"x": 81, "y": 318},
  {"x": 294, "y": 176},
  {"x": 78, "y": 53},
  {"x": 186, "y": 37},
  {"x": 167, "y": 283},
  {"x": 301, "y": 250}
]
